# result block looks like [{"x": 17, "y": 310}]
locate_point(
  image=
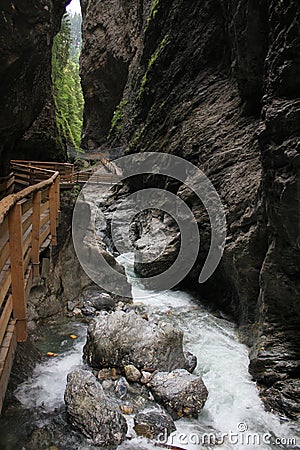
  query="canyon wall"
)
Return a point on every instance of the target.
[
  {"x": 27, "y": 29},
  {"x": 216, "y": 82},
  {"x": 111, "y": 38}
]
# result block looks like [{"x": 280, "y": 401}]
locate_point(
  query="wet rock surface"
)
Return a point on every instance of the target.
[
  {"x": 222, "y": 91},
  {"x": 92, "y": 412},
  {"x": 114, "y": 27},
  {"x": 191, "y": 362},
  {"x": 181, "y": 393},
  {"x": 119, "y": 339},
  {"x": 152, "y": 423},
  {"x": 26, "y": 36},
  {"x": 132, "y": 373}
]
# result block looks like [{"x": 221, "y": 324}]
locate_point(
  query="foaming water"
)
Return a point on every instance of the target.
[
  {"x": 233, "y": 404},
  {"x": 46, "y": 387}
]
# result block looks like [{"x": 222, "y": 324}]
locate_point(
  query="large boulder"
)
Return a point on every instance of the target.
[
  {"x": 120, "y": 339},
  {"x": 181, "y": 393},
  {"x": 92, "y": 412}
]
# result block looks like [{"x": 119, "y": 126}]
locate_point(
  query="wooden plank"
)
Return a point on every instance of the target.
[
  {"x": 5, "y": 317},
  {"x": 57, "y": 196},
  {"x": 4, "y": 285},
  {"x": 26, "y": 205},
  {"x": 53, "y": 213},
  {"x": 4, "y": 255},
  {"x": 26, "y": 221},
  {"x": 44, "y": 219},
  {"x": 27, "y": 260},
  {"x": 3, "y": 233},
  {"x": 27, "y": 240},
  {"x": 8, "y": 202},
  {"x": 6, "y": 366},
  {"x": 20, "y": 175},
  {"x": 36, "y": 217},
  {"x": 17, "y": 269},
  {"x": 45, "y": 206},
  {"x": 10, "y": 182},
  {"x": 45, "y": 244},
  {"x": 45, "y": 194},
  {"x": 45, "y": 233},
  {"x": 22, "y": 183}
]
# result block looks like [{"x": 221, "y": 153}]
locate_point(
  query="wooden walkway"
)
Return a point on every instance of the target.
[{"x": 28, "y": 220}]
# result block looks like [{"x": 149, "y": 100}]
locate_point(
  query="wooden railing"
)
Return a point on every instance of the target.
[
  {"x": 7, "y": 185},
  {"x": 27, "y": 173},
  {"x": 96, "y": 177},
  {"x": 28, "y": 221},
  {"x": 66, "y": 170}
]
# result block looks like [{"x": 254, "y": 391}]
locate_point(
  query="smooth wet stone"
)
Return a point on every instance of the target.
[
  {"x": 191, "y": 362},
  {"x": 121, "y": 387},
  {"x": 180, "y": 392},
  {"x": 152, "y": 423},
  {"x": 103, "y": 302},
  {"x": 119, "y": 339},
  {"x": 132, "y": 373},
  {"x": 88, "y": 311},
  {"x": 77, "y": 312},
  {"x": 92, "y": 412},
  {"x": 146, "y": 377}
]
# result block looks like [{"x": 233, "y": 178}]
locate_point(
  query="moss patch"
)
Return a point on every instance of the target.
[
  {"x": 116, "y": 121},
  {"x": 151, "y": 62}
]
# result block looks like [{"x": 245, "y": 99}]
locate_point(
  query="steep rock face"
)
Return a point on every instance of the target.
[
  {"x": 42, "y": 141},
  {"x": 111, "y": 38},
  {"x": 26, "y": 35},
  {"x": 275, "y": 355},
  {"x": 218, "y": 83}
]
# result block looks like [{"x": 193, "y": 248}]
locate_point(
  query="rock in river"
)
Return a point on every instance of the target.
[
  {"x": 181, "y": 393},
  {"x": 151, "y": 423},
  {"x": 92, "y": 412},
  {"x": 120, "y": 339},
  {"x": 132, "y": 373}
]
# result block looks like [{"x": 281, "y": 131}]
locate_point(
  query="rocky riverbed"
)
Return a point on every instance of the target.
[{"x": 147, "y": 405}]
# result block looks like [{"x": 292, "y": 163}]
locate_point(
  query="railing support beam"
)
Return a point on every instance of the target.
[
  {"x": 36, "y": 225},
  {"x": 17, "y": 270},
  {"x": 53, "y": 211}
]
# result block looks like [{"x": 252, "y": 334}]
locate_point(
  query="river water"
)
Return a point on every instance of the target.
[{"x": 233, "y": 416}]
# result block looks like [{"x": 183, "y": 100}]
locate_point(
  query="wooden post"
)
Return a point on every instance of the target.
[
  {"x": 53, "y": 213},
  {"x": 57, "y": 195},
  {"x": 72, "y": 174},
  {"x": 17, "y": 270},
  {"x": 36, "y": 225}
]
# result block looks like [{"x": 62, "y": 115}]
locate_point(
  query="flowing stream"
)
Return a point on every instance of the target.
[{"x": 233, "y": 416}]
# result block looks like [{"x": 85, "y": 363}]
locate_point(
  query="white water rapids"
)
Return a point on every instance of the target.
[{"x": 233, "y": 414}]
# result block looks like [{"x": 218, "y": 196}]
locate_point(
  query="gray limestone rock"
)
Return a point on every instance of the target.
[
  {"x": 119, "y": 339},
  {"x": 181, "y": 393},
  {"x": 92, "y": 412}
]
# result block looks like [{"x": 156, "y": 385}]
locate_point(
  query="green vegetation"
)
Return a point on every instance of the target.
[
  {"x": 151, "y": 62},
  {"x": 116, "y": 121},
  {"x": 136, "y": 137},
  {"x": 67, "y": 92},
  {"x": 153, "y": 11}
]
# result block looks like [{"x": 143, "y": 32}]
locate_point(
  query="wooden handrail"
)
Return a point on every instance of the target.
[
  {"x": 28, "y": 222},
  {"x": 66, "y": 170},
  {"x": 8, "y": 202}
]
